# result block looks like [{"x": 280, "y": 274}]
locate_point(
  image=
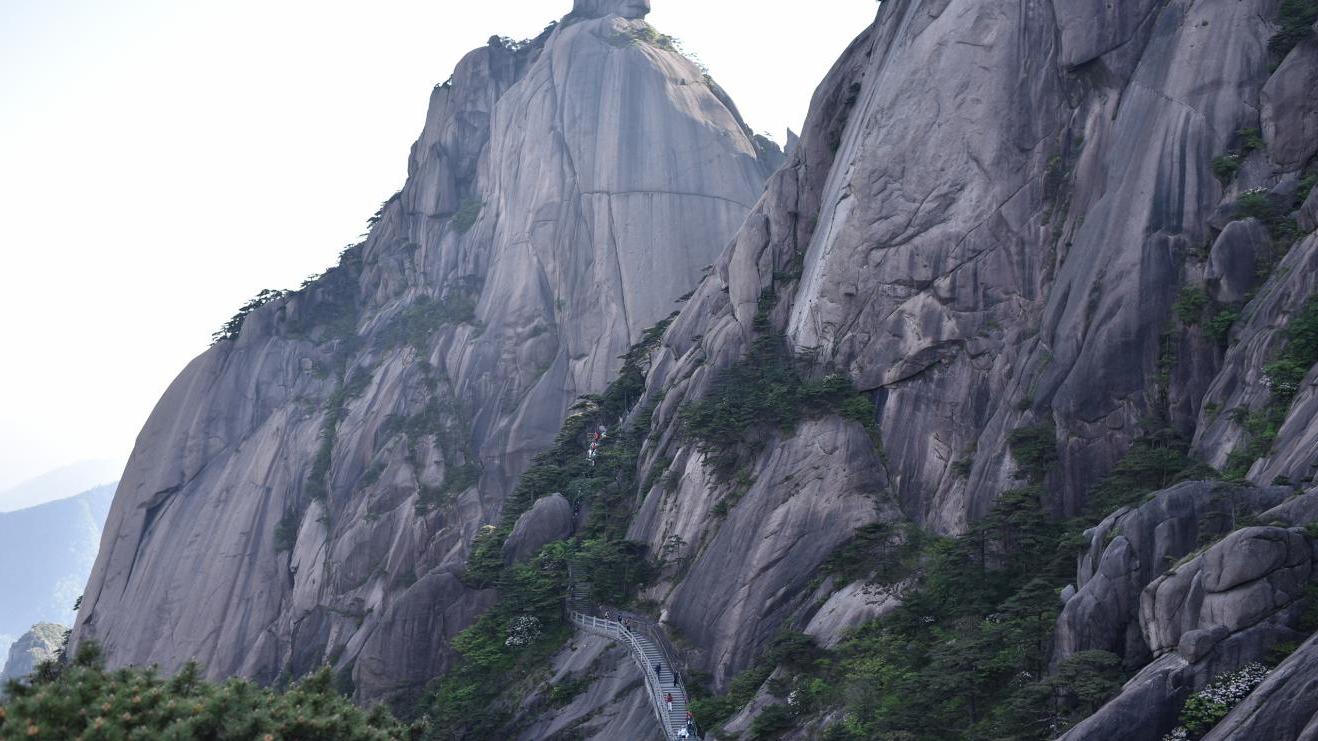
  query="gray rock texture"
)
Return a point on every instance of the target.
[
  {"x": 613, "y": 705},
  {"x": 1308, "y": 214},
  {"x": 1131, "y": 548},
  {"x": 1006, "y": 252},
  {"x": 39, "y": 644},
  {"x": 1233, "y": 263},
  {"x": 1241, "y": 387},
  {"x": 1211, "y": 614},
  {"x": 549, "y": 519},
  {"x": 307, "y": 491},
  {"x": 1285, "y": 706},
  {"x": 1290, "y": 108},
  {"x": 985, "y": 224}
]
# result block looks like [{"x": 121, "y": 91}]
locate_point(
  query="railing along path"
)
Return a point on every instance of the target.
[{"x": 648, "y": 648}]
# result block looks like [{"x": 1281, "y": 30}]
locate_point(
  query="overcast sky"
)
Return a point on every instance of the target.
[{"x": 162, "y": 161}]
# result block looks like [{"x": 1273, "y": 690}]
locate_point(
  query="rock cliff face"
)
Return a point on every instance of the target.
[
  {"x": 1049, "y": 214},
  {"x": 1083, "y": 219},
  {"x": 306, "y": 490}
]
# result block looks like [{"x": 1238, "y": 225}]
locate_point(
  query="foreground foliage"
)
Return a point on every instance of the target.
[{"x": 83, "y": 700}]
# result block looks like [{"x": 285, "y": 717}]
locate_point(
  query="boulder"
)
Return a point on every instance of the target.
[
  {"x": 1132, "y": 547},
  {"x": 1290, "y": 108},
  {"x": 1232, "y": 271},
  {"x": 549, "y": 519}
]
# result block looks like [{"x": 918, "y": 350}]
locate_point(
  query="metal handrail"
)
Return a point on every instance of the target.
[{"x": 616, "y": 631}]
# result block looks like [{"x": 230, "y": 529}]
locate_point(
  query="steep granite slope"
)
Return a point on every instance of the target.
[
  {"x": 1014, "y": 246},
  {"x": 307, "y": 489},
  {"x": 1079, "y": 221}
]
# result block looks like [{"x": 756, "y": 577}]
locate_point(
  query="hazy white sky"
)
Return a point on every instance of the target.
[{"x": 162, "y": 161}]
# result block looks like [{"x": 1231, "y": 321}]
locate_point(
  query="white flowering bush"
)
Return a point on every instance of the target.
[
  {"x": 1211, "y": 704},
  {"x": 523, "y": 631}
]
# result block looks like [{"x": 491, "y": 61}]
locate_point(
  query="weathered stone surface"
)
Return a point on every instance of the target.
[
  {"x": 1145, "y": 708},
  {"x": 1249, "y": 576},
  {"x": 1091, "y": 28},
  {"x": 1290, "y": 109},
  {"x": 1308, "y": 215},
  {"x": 1232, "y": 271},
  {"x": 1242, "y": 388},
  {"x": 563, "y": 192},
  {"x": 1294, "y": 512},
  {"x": 613, "y": 706},
  {"x": 984, "y": 225},
  {"x": 1132, "y": 547},
  {"x": 600, "y": 8},
  {"x": 1283, "y": 707},
  {"x": 1212, "y": 614},
  {"x": 33, "y": 647},
  {"x": 850, "y": 606},
  {"x": 549, "y": 519},
  {"x": 804, "y": 502}
]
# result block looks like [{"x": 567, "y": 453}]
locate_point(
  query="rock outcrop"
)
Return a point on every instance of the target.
[
  {"x": 1284, "y": 706},
  {"x": 1036, "y": 286},
  {"x": 1050, "y": 216},
  {"x": 1212, "y": 614},
  {"x": 1134, "y": 546},
  {"x": 39, "y": 644},
  {"x": 549, "y": 519},
  {"x": 306, "y": 491}
]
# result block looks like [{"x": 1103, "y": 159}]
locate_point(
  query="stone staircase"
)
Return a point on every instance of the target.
[{"x": 647, "y": 647}]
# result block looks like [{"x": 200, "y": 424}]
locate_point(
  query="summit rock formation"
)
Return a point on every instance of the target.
[
  {"x": 1015, "y": 247},
  {"x": 306, "y": 490}
]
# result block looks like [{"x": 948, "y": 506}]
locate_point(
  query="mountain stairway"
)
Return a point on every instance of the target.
[{"x": 648, "y": 648}]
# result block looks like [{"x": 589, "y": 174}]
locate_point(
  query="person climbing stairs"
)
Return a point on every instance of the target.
[{"x": 646, "y": 645}]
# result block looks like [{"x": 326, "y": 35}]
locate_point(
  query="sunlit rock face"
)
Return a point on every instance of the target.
[
  {"x": 632, "y": 9},
  {"x": 307, "y": 491}
]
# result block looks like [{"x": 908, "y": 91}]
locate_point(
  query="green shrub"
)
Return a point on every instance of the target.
[
  {"x": 772, "y": 722},
  {"x": 1226, "y": 166},
  {"x": 1210, "y": 705},
  {"x": 882, "y": 552},
  {"x": 1296, "y": 21},
  {"x": 762, "y": 392},
  {"x": 234, "y": 326},
  {"x": 1190, "y": 304},
  {"x": 1035, "y": 449},
  {"x": 1251, "y": 140},
  {"x": 83, "y": 700},
  {"x": 467, "y": 213},
  {"x": 1219, "y": 327},
  {"x": 286, "y": 531},
  {"x": 416, "y": 324},
  {"x": 564, "y": 692},
  {"x": 1153, "y": 462},
  {"x": 1299, "y": 353}
]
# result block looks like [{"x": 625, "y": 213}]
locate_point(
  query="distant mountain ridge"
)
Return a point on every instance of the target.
[
  {"x": 59, "y": 484},
  {"x": 46, "y": 554}
]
